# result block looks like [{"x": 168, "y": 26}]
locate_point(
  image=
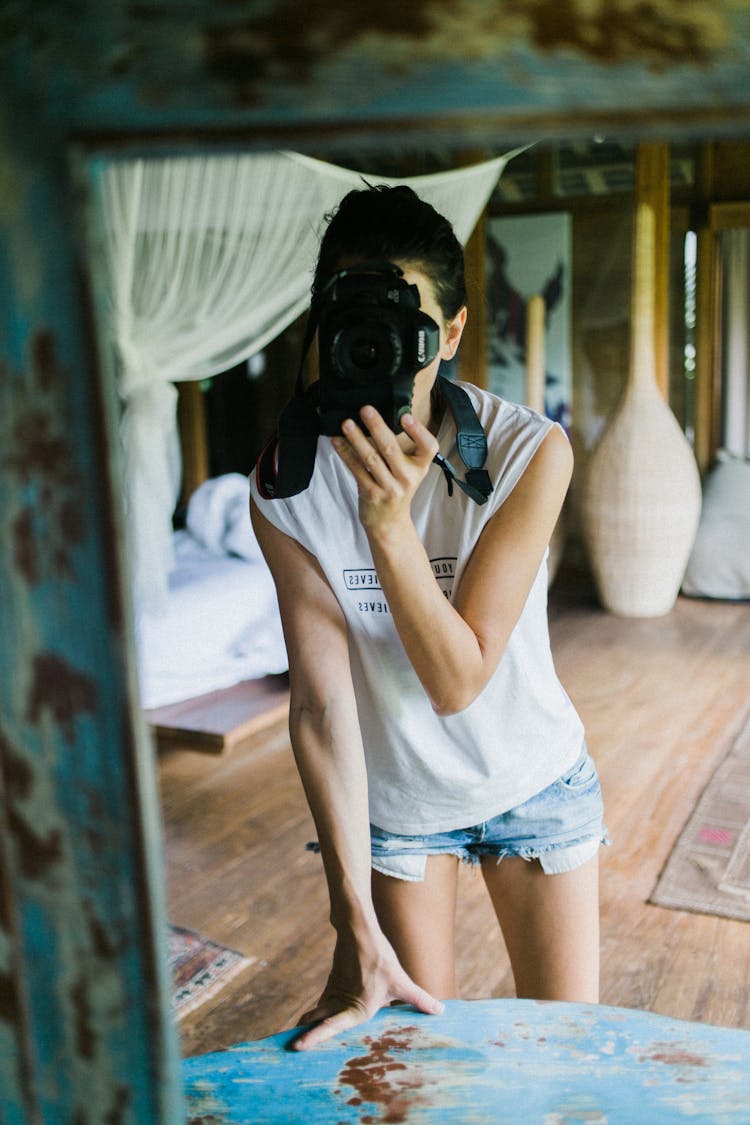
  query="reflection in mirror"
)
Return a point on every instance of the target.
[{"x": 240, "y": 871}]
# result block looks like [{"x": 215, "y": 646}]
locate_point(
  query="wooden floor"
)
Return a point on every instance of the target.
[{"x": 662, "y": 700}]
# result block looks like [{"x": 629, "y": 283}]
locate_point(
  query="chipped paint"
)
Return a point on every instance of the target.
[
  {"x": 658, "y": 33},
  {"x": 35, "y": 449},
  {"x": 61, "y": 691},
  {"x": 673, "y": 1054},
  {"x": 383, "y": 1077},
  {"x": 246, "y": 52}
]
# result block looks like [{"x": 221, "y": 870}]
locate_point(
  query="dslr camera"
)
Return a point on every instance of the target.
[{"x": 373, "y": 338}]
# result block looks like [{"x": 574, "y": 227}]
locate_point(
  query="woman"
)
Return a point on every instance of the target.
[{"x": 427, "y": 721}]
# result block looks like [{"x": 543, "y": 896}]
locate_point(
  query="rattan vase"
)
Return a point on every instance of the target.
[{"x": 642, "y": 494}]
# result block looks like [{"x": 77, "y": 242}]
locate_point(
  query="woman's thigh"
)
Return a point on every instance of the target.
[
  {"x": 418, "y": 918},
  {"x": 550, "y": 924}
]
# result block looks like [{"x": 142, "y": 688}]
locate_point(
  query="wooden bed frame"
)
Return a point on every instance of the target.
[{"x": 217, "y": 721}]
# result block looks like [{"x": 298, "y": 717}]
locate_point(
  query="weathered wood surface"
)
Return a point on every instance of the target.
[
  {"x": 85, "y": 1034},
  {"x": 448, "y": 68},
  {"x": 487, "y": 1062}
]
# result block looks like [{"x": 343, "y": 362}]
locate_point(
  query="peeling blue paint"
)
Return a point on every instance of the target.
[
  {"x": 484, "y": 1061},
  {"x": 91, "y": 1038}
]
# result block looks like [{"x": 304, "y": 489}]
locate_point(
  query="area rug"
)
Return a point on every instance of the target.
[
  {"x": 200, "y": 968},
  {"x": 708, "y": 871}
]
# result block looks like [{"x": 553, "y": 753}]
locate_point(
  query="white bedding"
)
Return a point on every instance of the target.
[{"x": 221, "y": 622}]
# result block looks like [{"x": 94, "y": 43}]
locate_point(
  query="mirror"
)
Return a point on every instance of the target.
[{"x": 589, "y": 185}]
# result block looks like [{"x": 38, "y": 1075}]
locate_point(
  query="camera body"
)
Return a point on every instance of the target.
[{"x": 373, "y": 338}]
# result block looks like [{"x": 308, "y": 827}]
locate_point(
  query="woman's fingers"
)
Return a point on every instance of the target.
[
  {"x": 319, "y": 1012},
  {"x": 365, "y": 456},
  {"x": 327, "y": 1028},
  {"x": 421, "y": 1000},
  {"x": 350, "y": 1017},
  {"x": 386, "y": 441},
  {"x": 425, "y": 442},
  {"x": 380, "y": 456},
  {"x": 330, "y": 1017}
]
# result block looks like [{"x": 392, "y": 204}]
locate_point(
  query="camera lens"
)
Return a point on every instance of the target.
[
  {"x": 366, "y": 350},
  {"x": 363, "y": 353}
]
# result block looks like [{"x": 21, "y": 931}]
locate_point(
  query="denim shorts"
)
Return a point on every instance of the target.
[{"x": 561, "y": 827}]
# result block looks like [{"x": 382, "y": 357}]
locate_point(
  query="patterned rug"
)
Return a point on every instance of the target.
[
  {"x": 709, "y": 869},
  {"x": 200, "y": 968}
]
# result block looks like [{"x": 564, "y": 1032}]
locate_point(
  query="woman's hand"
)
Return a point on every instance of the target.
[
  {"x": 360, "y": 984},
  {"x": 387, "y": 474}
]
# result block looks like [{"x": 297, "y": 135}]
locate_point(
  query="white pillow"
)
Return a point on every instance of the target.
[
  {"x": 719, "y": 564},
  {"x": 218, "y": 517}
]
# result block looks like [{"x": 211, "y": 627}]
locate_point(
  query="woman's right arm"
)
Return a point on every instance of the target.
[{"x": 327, "y": 744}]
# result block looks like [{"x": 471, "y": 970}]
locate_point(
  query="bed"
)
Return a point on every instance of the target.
[{"x": 220, "y": 625}]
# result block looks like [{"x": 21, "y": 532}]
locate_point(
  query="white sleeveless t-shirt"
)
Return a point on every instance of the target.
[{"x": 428, "y": 773}]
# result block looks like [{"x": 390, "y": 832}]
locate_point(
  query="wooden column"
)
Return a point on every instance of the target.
[
  {"x": 707, "y": 348},
  {"x": 535, "y": 354},
  {"x": 473, "y": 353},
  {"x": 652, "y": 188},
  {"x": 707, "y": 319},
  {"x": 191, "y": 416}
]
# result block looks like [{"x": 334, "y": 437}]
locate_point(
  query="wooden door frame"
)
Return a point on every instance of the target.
[{"x": 719, "y": 217}]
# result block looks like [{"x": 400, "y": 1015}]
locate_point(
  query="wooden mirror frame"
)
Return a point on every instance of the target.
[{"x": 85, "y": 1029}]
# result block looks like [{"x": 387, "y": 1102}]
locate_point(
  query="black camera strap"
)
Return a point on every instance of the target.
[
  {"x": 285, "y": 465},
  {"x": 471, "y": 442}
]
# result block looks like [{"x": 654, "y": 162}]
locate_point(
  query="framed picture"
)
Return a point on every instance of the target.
[{"x": 529, "y": 255}]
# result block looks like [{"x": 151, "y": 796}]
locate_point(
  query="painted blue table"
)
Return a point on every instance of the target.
[{"x": 484, "y": 1061}]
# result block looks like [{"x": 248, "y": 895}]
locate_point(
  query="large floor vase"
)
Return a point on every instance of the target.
[{"x": 642, "y": 493}]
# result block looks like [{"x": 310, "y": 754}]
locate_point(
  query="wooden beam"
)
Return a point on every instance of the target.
[
  {"x": 652, "y": 188},
  {"x": 729, "y": 215}
]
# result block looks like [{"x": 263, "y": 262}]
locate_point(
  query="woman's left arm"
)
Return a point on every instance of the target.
[{"x": 454, "y": 646}]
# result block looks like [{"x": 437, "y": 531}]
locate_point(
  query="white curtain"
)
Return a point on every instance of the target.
[
  {"x": 208, "y": 258},
  {"x": 735, "y": 245}
]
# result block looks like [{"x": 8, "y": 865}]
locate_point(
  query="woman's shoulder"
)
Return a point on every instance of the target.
[
  {"x": 514, "y": 434},
  {"x": 500, "y": 414}
]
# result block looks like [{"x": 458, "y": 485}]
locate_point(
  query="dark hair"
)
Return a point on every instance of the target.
[{"x": 382, "y": 223}]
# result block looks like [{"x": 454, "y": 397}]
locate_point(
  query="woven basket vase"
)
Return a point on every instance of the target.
[{"x": 642, "y": 494}]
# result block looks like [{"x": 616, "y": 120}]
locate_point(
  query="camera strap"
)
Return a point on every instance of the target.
[
  {"x": 471, "y": 442},
  {"x": 285, "y": 466}
]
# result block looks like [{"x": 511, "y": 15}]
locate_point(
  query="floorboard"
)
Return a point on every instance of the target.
[{"x": 662, "y": 700}]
